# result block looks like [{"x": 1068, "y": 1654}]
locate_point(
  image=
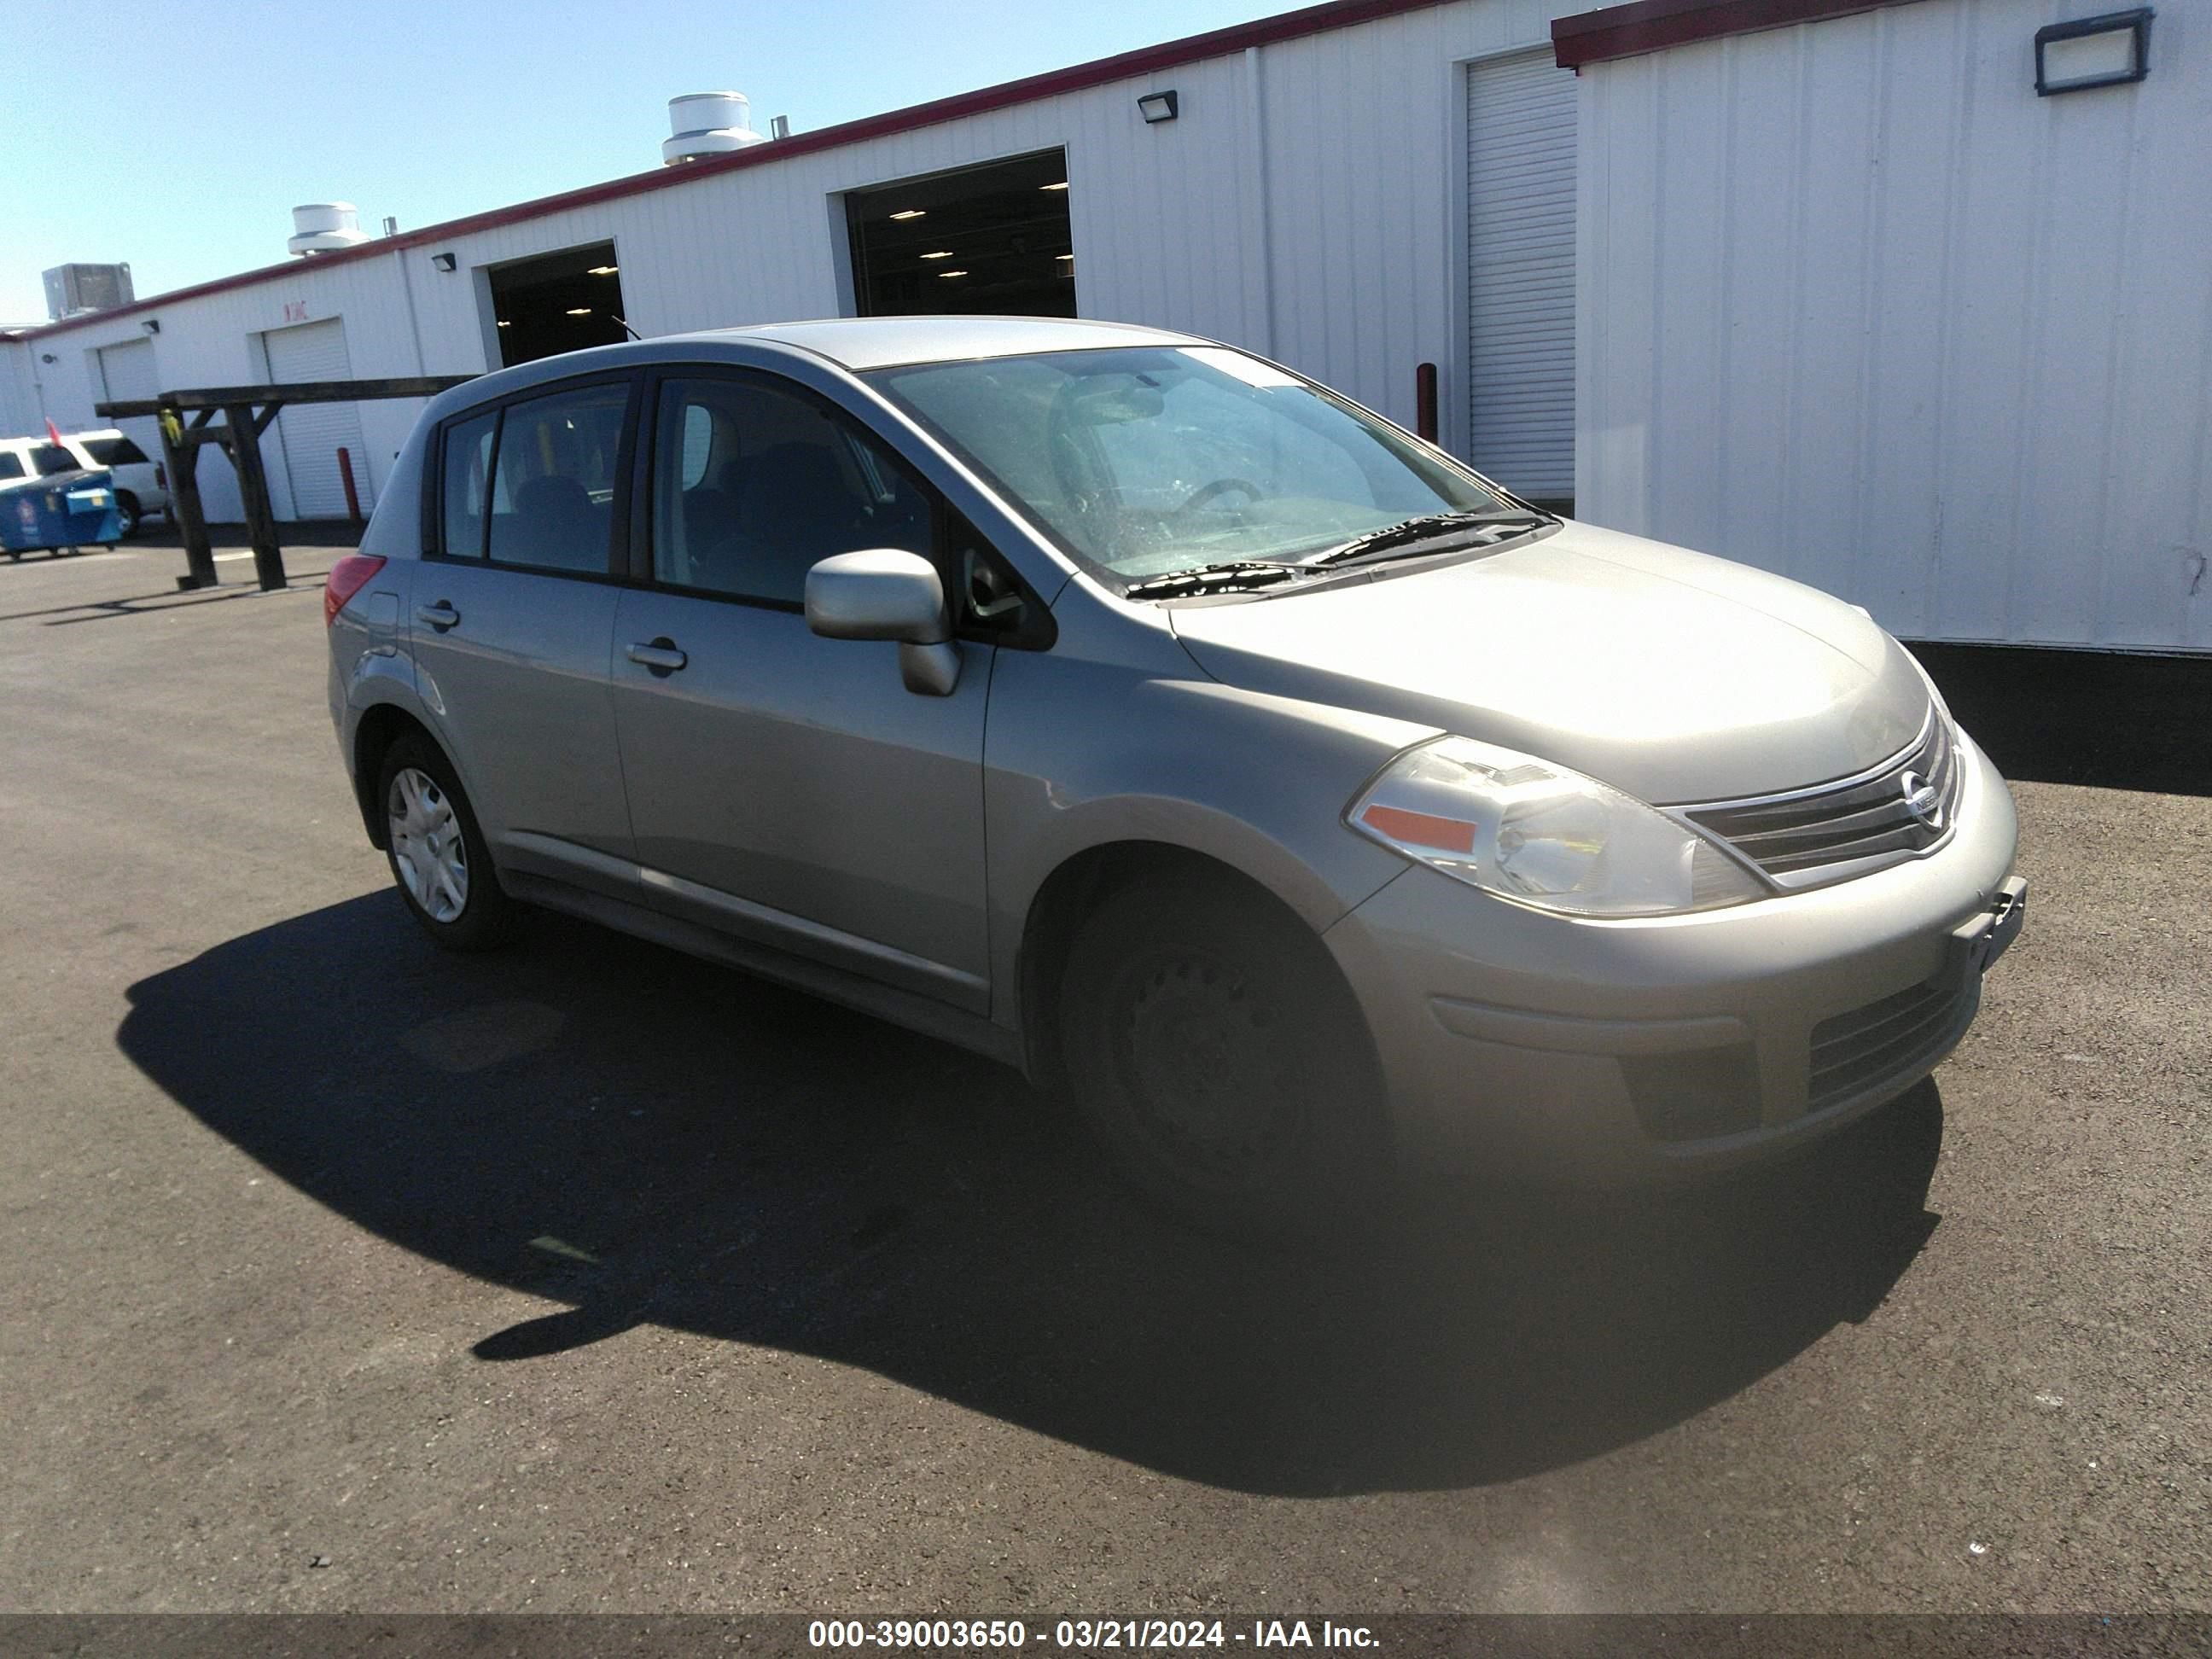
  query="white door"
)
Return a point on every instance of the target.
[
  {"x": 313, "y": 434},
  {"x": 1521, "y": 273},
  {"x": 127, "y": 373}
]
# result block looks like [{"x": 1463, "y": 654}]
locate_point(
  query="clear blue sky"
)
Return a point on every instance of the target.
[{"x": 180, "y": 136}]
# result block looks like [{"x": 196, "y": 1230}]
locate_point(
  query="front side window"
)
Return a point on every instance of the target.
[
  {"x": 1145, "y": 461},
  {"x": 555, "y": 472},
  {"x": 753, "y": 484}
]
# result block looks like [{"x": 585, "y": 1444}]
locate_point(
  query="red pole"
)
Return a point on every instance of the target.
[
  {"x": 345, "y": 477},
  {"x": 1425, "y": 401}
]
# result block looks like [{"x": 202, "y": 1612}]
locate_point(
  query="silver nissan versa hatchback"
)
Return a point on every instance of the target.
[{"x": 1307, "y": 808}]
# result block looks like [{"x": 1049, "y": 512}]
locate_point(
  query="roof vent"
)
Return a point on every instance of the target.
[
  {"x": 707, "y": 124},
  {"x": 325, "y": 228}
]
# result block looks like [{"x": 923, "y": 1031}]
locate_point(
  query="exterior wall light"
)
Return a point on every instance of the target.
[
  {"x": 1158, "y": 106},
  {"x": 443, "y": 261},
  {"x": 2110, "y": 50},
  {"x": 152, "y": 325}
]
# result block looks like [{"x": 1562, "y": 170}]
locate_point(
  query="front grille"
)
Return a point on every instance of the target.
[
  {"x": 1803, "y": 837},
  {"x": 1856, "y": 1051}
]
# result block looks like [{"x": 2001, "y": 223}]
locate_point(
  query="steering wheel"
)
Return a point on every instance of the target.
[{"x": 1219, "y": 487}]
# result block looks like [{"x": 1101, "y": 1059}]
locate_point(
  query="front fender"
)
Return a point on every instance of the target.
[{"x": 1086, "y": 754}]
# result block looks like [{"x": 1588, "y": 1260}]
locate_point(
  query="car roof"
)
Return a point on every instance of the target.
[{"x": 865, "y": 342}]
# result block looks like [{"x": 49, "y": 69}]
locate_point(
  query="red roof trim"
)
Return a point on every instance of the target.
[
  {"x": 1596, "y": 37},
  {"x": 1145, "y": 60}
]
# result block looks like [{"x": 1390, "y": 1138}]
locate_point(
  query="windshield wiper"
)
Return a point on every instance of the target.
[
  {"x": 1431, "y": 527},
  {"x": 1233, "y": 577}
]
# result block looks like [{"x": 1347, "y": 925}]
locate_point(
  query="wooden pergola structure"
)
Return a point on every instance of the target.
[{"x": 247, "y": 411}]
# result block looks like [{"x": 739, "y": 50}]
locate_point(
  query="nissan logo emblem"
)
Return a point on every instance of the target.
[{"x": 1923, "y": 800}]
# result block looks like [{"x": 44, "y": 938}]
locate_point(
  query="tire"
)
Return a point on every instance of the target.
[
  {"x": 436, "y": 850},
  {"x": 1212, "y": 1048},
  {"x": 126, "y": 512}
]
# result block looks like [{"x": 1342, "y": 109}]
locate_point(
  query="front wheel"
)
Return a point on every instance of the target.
[
  {"x": 437, "y": 852},
  {"x": 1213, "y": 1048}
]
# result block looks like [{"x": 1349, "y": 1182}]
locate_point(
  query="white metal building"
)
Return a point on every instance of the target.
[{"x": 1841, "y": 295}]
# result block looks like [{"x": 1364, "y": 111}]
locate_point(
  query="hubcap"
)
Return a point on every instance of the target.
[
  {"x": 427, "y": 845},
  {"x": 1202, "y": 1061}
]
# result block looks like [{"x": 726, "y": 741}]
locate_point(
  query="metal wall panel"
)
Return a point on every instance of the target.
[
  {"x": 1858, "y": 306},
  {"x": 1521, "y": 273}
]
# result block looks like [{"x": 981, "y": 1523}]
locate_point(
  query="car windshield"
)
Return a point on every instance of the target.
[{"x": 1146, "y": 461}]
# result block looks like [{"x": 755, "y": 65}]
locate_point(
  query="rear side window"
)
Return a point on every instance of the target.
[
  {"x": 753, "y": 484},
  {"x": 553, "y": 479},
  {"x": 50, "y": 458},
  {"x": 467, "y": 473},
  {"x": 114, "y": 452},
  {"x": 11, "y": 465}
]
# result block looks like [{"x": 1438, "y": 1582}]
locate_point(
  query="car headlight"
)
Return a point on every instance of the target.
[{"x": 1528, "y": 831}]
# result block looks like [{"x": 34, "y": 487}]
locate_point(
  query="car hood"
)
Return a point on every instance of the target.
[{"x": 1670, "y": 674}]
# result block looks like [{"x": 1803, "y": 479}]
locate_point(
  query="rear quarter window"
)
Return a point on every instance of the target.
[
  {"x": 114, "y": 452},
  {"x": 465, "y": 470}
]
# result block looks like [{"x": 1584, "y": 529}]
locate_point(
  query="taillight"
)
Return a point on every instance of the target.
[
  {"x": 160, "y": 476},
  {"x": 346, "y": 579}
]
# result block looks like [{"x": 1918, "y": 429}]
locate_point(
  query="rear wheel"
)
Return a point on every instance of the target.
[
  {"x": 1214, "y": 1050},
  {"x": 127, "y": 512},
  {"x": 437, "y": 852}
]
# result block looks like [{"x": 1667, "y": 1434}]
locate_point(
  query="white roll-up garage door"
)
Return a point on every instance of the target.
[
  {"x": 313, "y": 433},
  {"x": 128, "y": 374},
  {"x": 1521, "y": 272}
]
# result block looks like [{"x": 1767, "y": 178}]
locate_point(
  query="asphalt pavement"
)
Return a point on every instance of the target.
[{"x": 345, "y": 1275}]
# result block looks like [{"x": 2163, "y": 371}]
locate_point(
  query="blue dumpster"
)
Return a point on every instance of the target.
[{"x": 62, "y": 510}]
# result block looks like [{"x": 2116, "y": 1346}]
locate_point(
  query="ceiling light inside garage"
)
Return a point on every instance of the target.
[
  {"x": 601, "y": 271},
  {"x": 1062, "y": 185},
  {"x": 579, "y": 311},
  {"x": 910, "y": 213},
  {"x": 941, "y": 253},
  {"x": 952, "y": 273}
]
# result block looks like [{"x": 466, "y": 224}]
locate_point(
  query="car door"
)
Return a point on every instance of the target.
[
  {"x": 783, "y": 786},
  {"x": 512, "y": 622}
]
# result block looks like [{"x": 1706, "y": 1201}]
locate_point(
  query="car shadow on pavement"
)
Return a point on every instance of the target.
[{"x": 639, "y": 1137}]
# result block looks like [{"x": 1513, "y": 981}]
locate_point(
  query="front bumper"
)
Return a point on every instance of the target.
[{"x": 1612, "y": 1052}]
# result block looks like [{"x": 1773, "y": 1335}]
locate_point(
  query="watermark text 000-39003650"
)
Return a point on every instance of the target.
[{"x": 1088, "y": 1635}]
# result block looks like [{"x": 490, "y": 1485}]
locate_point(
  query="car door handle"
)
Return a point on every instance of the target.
[
  {"x": 441, "y": 615},
  {"x": 661, "y": 655}
]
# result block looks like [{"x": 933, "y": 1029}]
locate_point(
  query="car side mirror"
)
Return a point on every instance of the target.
[{"x": 884, "y": 593}]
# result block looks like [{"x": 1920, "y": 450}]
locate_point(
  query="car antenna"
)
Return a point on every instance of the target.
[{"x": 626, "y": 329}]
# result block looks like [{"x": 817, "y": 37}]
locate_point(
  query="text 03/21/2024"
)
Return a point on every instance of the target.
[{"x": 1087, "y": 1635}]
